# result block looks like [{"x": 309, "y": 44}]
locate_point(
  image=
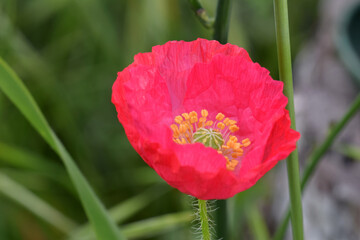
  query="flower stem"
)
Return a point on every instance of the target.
[
  {"x": 204, "y": 221},
  {"x": 316, "y": 156},
  {"x": 221, "y": 27},
  {"x": 222, "y": 219},
  {"x": 284, "y": 58}
]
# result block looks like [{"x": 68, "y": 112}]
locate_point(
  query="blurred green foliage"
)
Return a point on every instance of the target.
[{"x": 68, "y": 53}]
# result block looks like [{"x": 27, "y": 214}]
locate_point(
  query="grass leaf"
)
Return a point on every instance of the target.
[
  {"x": 16, "y": 91},
  {"x": 124, "y": 210},
  {"x": 157, "y": 225},
  {"x": 257, "y": 224},
  {"x": 350, "y": 151},
  {"x": 34, "y": 204}
]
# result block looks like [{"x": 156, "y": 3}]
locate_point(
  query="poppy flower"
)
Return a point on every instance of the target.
[{"x": 205, "y": 117}]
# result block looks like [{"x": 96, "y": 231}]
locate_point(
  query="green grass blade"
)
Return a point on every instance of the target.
[
  {"x": 26, "y": 160},
  {"x": 349, "y": 151},
  {"x": 257, "y": 224},
  {"x": 21, "y": 158},
  {"x": 153, "y": 226},
  {"x": 16, "y": 91},
  {"x": 157, "y": 225},
  {"x": 34, "y": 204},
  {"x": 124, "y": 210}
]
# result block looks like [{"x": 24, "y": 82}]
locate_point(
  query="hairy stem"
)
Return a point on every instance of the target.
[{"x": 204, "y": 220}]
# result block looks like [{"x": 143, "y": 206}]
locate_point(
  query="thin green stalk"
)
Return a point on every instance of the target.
[
  {"x": 221, "y": 27},
  {"x": 201, "y": 14},
  {"x": 222, "y": 219},
  {"x": 204, "y": 220},
  {"x": 284, "y": 58},
  {"x": 257, "y": 223},
  {"x": 316, "y": 156}
]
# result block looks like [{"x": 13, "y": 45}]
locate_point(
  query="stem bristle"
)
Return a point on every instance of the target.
[{"x": 197, "y": 222}]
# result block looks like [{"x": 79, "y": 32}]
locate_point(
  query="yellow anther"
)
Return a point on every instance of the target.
[
  {"x": 233, "y": 138},
  {"x": 204, "y": 113},
  {"x": 186, "y": 116},
  {"x": 202, "y": 119},
  {"x": 177, "y": 141},
  {"x": 219, "y": 152},
  {"x": 232, "y": 164},
  {"x": 240, "y": 150},
  {"x": 209, "y": 123},
  {"x": 183, "y": 141},
  {"x": 193, "y": 114},
  {"x": 236, "y": 154},
  {"x": 233, "y": 128},
  {"x": 236, "y": 145},
  {"x": 227, "y": 121},
  {"x": 230, "y": 144},
  {"x": 174, "y": 128},
  {"x": 232, "y": 122},
  {"x": 183, "y": 128},
  {"x": 219, "y": 116},
  {"x": 225, "y": 147},
  {"x": 193, "y": 119},
  {"x": 178, "y": 119},
  {"x": 229, "y": 166},
  {"x": 221, "y": 125},
  {"x": 246, "y": 142}
]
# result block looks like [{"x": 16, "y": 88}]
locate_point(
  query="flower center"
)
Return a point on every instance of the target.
[
  {"x": 217, "y": 134},
  {"x": 208, "y": 137}
]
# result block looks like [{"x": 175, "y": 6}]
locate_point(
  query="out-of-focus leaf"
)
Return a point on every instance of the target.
[
  {"x": 257, "y": 224},
  {"x": 124, "y": 210},
  {"x": 157, "y": 225},
  {"x": 23, "y": 159},
  {"x": 153, "y": 226},
  {"x": 350, "y": 151},
  {"x": 34, "y": 204},
  {"x": 16, "y": 91},
  {"x": 100, "y": 26}
]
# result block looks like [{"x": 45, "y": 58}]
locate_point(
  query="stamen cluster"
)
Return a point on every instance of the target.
[{"x": 188, "y": 128}]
